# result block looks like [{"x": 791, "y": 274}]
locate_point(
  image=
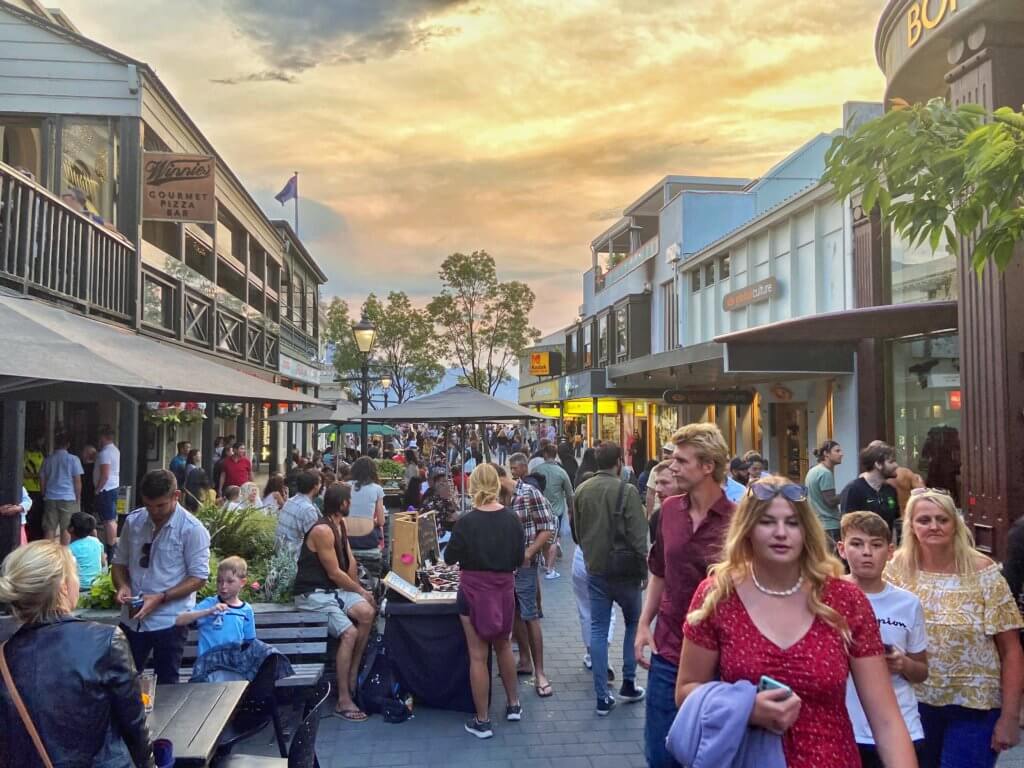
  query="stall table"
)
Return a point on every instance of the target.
[{"x": 193, "y": 716}]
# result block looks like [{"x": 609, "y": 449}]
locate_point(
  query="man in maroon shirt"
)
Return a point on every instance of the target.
[
  {"x": 690, "y": 535},
  {"x": 237, "y": 468}
]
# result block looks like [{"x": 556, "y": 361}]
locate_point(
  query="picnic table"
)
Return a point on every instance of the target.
[{"x": 193, "y": 717}]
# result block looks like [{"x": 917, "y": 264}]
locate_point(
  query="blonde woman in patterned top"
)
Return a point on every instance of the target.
[{"x": 970, "y": 701}]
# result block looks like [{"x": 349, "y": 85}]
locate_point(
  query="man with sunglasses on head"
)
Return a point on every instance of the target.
[
  {"x": 691, "y": 531},
  {"x": 162, "y": 560}
]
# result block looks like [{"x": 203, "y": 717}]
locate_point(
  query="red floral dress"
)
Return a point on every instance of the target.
[{"x": 815, "y": 667}]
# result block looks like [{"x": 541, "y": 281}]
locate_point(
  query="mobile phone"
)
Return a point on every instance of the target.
[
  {"x": 771, "y": 684},
  {"x": 135, "y": 606},
  {"x": 888, "y": 648}
]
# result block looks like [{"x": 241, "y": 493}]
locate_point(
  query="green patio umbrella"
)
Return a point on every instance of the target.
[{"x": 353, "y": 429}]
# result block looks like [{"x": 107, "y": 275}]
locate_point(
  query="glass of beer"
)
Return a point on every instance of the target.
[{"x": 147, "y": 682}]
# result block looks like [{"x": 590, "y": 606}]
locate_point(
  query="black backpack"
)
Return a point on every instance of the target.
[{"x": 378, "y": 693}]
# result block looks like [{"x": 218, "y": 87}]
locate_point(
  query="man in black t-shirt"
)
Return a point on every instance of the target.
[{"x": 869, "y": 492}]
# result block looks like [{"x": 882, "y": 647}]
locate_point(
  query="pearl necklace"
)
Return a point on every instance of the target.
[{"x": 777, "y": 592}]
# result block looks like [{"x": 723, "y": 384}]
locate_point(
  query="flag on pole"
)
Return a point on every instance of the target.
[{"x": 290, "y": 191}]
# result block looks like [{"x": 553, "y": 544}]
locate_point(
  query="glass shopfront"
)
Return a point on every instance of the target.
[
  {"x": 927, "y": 409},
  {"x": 919, "y": 274}
]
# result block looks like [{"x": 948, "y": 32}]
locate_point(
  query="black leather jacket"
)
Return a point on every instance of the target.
[{"x": 78, "y": 682}]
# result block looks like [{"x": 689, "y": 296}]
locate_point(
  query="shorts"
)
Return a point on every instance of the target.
[
  {"x": 527, "y": 587},
  {"x": 105, "y": 506},
  {"x": 335, "y": 604},
  {"x": 57, "y": 514}
]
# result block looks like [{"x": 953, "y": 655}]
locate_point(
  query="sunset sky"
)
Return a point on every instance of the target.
[{"x": 423, "y": 127}]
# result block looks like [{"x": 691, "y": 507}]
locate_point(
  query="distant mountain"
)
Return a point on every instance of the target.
[{"x": 507, "y": 391}]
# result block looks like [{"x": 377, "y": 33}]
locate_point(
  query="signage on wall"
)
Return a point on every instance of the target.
[
  {"x": 944, "y": 380},
  {"x": 178, "y": 187},
  {"x": 537, "y": 393},
  {"x": 924, "y": 15},
  {"x": 754, "y": 293},
  {"x": 545, "y": 364},
  {"x": 953, "y": 400},
  {"x": 708, "y": 397}
]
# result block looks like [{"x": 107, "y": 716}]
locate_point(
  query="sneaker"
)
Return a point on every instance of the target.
[
  {"x": 478, "y": 729},
  {"x": 630, "y": 693},
  {"x": 552, "y": 574},
  {"x": 514, "y": 712},
  {"x": 587, "y": 661},
  {"x": 603, "y": 707}
]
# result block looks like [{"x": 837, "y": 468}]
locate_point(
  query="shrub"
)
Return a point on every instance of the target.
[{"x": 248, "y": 533}]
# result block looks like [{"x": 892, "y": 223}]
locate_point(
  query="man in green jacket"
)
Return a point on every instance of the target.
[{"x": 593, "y": 530}]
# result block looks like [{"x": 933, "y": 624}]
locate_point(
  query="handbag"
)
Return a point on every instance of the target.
[
  {"x": 624, "y": 563},
  {"x": 26, "y": 719}
]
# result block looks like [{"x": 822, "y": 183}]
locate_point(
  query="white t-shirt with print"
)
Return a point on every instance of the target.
[{"x": 901, "y": 623}]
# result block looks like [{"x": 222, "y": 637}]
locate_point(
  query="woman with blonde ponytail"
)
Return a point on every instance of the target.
[
  {"x": 75, "y": 678},
  {"x": 488, "y": 543},
  {"x": 776, "y": 606}
]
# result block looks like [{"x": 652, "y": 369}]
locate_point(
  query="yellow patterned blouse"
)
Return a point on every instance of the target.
[{"x": 962, "y": 617}]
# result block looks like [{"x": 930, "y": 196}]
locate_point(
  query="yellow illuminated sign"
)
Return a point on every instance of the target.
[
  {"x": 920, "y": 17},
  {"x": 552, "y": 411},
  {"x": 605, "y": 405}
]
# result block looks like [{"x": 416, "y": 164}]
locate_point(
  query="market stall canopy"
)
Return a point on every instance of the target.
[
  {"x": 342, "y": 411},
  {"x": 455, "y": 405},
  {"x": 353, "y": 429},
  {"x": 47, "y": 350}
]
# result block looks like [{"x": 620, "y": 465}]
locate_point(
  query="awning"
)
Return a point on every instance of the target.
[
  {"x": 45, "y": 350},
  {"x": 343, "y": 411},
  {"x": 456, "y": 405},
  {"x": 673, "y": 358}
]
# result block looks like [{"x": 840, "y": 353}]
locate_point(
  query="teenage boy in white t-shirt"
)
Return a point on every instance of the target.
[{"x": 865, "y": 546}]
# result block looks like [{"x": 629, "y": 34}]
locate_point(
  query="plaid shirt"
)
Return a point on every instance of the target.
[{"x": 534, "y": 513}]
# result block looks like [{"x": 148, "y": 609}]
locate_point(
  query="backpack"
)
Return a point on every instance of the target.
[{"x": 377, "y": 691}]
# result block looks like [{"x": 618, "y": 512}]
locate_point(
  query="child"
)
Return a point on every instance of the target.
[
  {"x": 223, "y": 619},
  {"x": 232, "y": 498},
  {"x": 865, "y": 546},
  {"x": 87, "y": 549}
]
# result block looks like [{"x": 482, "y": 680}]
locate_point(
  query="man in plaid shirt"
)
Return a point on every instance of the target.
[{"x": 538, "y": 522}]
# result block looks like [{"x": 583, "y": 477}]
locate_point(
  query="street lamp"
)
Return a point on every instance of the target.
[
  {"x": 364, "y": 332},
  {"x": 385, "y": 384}
]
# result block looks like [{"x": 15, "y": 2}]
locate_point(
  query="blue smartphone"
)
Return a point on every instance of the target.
[{"x": 771, "y": 684}]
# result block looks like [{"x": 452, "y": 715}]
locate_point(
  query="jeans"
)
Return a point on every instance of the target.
[
  {"x": 957, "y": 737},
  {"x": 167, "y": 647},
  {"x": 604, "y": 592},
  {"x": 661, "y": 711},
  {"x": 581, "y": 588}
]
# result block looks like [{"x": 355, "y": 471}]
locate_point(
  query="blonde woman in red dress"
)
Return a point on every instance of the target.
[{"x": 776, "y": 606}]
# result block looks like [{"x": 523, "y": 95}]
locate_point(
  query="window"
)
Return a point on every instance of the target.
[
  {"x": 602, "y": 340},
  {"x": 588, "y": 347},
  {"x": 570, "y": 351},
  {"x": 88, "y": 148},
  {"x": 157, "y": 303},
  {"x": 621, "y": 335},
  {"x": 695, "y": 280},
  {"x": 918, "y": 274},
  {"x": 709, "y": 273},
  {"x": 670, "y": 314},
  {"x": 723, "y": 267}
]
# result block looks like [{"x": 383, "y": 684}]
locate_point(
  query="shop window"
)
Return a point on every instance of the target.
[
  {"x": 919, "y": 274},
  {"x": 621, "y": 334},
  {"x": 570, "y": 351},
  {"x": 695, "y": 280},
  {"x": 602, "y": 340},
  {"x": 926, "y": 397},
  {"x": 158, "y": 300},
  {"x": 723, "y": 267},
  {"x": 588, "y": 347},
  {"x": 670, "y": 314},
  {"x": 709, "y": 273},
  {"x": 88, "y": 161}
]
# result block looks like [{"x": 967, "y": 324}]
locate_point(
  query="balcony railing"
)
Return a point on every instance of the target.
[
  {"x": 50, "y": 249},
  {"x": 646, "y": 251}
]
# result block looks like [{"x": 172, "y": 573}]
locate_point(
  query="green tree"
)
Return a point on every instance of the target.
[
  {"x": 406, "y": 348},
  {"x": 347, "y": 358},
  {"x": 484, "y": 324},
  {"x": 938, "y": 173}
]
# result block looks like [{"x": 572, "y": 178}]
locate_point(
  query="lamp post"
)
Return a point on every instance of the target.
[
  {"x": 364, "y": 332},
  {"x": 385, "y": 384}
]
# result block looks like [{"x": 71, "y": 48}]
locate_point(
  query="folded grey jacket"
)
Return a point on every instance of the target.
[{"x": 712, "y": 730}]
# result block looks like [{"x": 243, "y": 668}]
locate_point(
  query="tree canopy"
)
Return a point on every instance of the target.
[
  {"x": 938, "y": 173},
  {"x": 484, "y": 324}
]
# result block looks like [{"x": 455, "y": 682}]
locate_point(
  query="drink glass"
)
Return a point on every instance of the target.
[{"x": 147, "y": 682}]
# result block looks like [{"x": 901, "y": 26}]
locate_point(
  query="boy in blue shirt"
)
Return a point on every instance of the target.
[
  {"x": 87, "y": 549},
  {"x": 223, "y": 619}
]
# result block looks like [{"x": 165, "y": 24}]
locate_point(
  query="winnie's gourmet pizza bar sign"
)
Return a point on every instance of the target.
[{"x": 178, "y": 187}]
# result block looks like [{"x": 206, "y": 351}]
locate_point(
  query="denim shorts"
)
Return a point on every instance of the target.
[
  {"x": 526, "y": 593},
  {"x": 335, "y": 604},
  {"x": 105, "y": 505}
]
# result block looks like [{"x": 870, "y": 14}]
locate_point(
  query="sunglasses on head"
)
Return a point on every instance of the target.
[
  {"x": 919, "y": 491},
  {"x": 767, "y": 491}
]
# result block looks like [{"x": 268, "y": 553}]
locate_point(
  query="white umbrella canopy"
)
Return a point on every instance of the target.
[{"x": 456, "y": 405}]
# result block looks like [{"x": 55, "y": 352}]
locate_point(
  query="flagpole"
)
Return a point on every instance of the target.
[{"x": 296, "y": 203}]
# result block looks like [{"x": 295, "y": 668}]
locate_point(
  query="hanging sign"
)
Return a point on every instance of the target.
[{"x": 178, "y": 187}]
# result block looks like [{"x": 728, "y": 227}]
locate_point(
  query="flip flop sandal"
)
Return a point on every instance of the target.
[
  {"x": 542, "y": 688},
  {"x": 351, "y": 715}
]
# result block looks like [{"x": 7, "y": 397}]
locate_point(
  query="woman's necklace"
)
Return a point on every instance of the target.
[{"x": 777, "y": 592}]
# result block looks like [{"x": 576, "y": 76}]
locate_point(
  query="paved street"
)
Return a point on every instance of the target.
[{"x": 559, "y": 731}]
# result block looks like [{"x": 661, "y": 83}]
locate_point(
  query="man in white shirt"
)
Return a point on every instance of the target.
[
  {"x": 107, "y": 479},
  {"x": 60, "y": 482}
]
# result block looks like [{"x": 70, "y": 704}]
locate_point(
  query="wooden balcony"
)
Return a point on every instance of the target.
[{"x": 50, "y": 250}]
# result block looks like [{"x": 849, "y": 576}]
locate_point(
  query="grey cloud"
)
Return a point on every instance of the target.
[
  {"x": 296, "y": 35},
  {"x": 266, "y": 76}
]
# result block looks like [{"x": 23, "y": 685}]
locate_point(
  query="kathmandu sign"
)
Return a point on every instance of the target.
[
  {"x": 178, "y": 187},
  {"x": 754, "y": 293}
]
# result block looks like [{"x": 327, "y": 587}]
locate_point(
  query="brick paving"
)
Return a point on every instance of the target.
[{"x": 559, "y": 732}]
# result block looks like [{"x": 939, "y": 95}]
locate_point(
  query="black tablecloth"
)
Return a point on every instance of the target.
[{"x": 427, "y": 649}]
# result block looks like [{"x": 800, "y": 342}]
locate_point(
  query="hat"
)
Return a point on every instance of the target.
[
  {"x": 738, "y": 463},
  {"x": 668, "y": 447}
]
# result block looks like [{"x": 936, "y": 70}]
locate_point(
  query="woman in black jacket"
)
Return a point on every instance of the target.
[
  {"x": 76, "y": 678},
  {"x": 567, "y": 457}
]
